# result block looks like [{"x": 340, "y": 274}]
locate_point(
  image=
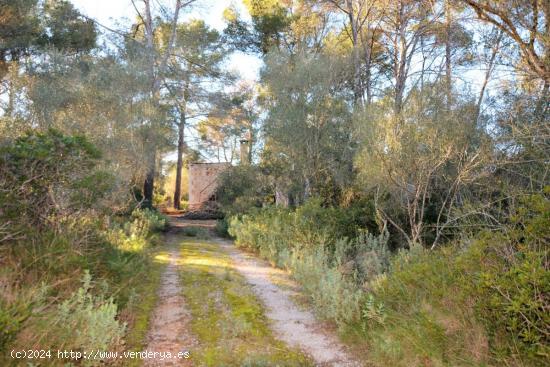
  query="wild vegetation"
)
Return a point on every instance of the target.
[
  {"x": 394, "y": 159},
  {"x": 406, "y": 195},
  {"x": 71, "y": 274}
]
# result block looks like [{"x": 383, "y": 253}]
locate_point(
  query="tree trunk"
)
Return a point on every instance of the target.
[
  {"x": 155, "y": 79},
  {"x": 179, "y": 167},
  {"x": 448, "y": 70},
  {"x": 369, "y": 46},
  {"x": 400, "y": 61},
  {"x": 354, "y": 24},
  {"x": 11, "y": 99},
  {"x": 149, "y": 183}
]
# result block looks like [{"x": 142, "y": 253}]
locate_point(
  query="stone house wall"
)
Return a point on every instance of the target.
[{"x": 203, "y": 182}]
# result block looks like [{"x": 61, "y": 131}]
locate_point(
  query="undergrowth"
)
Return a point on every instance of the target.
[
  {"x": 80, "y": 289},
  {"x": 482, "y": 302},
  {"x": 71, "y": 268}
]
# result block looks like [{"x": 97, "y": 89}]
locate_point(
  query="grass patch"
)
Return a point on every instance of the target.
[{"x": 227, "y": 318}]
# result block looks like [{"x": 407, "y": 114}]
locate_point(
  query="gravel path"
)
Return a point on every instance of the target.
[{"x": 297, "y": 328}]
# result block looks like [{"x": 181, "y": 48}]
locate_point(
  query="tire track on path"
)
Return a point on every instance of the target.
[{"x": 169, "y": 327}]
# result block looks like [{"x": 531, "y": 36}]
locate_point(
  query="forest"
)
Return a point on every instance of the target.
[{"x": 389, "y": 168}]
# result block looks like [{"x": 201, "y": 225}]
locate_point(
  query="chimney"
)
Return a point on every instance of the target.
[{"x": 245, "y": 149}]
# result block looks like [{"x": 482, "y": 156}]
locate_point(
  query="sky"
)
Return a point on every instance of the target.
[{"x": 113, "y": 13}]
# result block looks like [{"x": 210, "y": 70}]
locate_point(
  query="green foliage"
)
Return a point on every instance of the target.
[
  {"x": 422, "y": 299},
  {"x": 241, "y": 189},
  {"x": 484, "y": 303},
  {"x": 332, "y": 290},
  {"x": 373, "y": 311},
  {"x": 270, "y": 18},
  {"x": 26, "y": 24},
  {"x": 308, "y": 150},
  {"x": 91, "y": 188},
  {"x": 15, "y": 309},
  {"x": 67, "y": 30},
  {"x": 86, "y": 322},
  {"x": 45, "y": 304},
  {"x": 420, "y": 162},
  {"x": 136, "y": 234},
  {"x": 198, "y": 232},
  {"x": 20, "y": 27},
  {"x": 46, "y": 174},
  {"x": 222, "y": 228},
  {"x": 513, "y": 284},
  {"x": 438, "y": 168},
  {"x": 147, "y": 221}
]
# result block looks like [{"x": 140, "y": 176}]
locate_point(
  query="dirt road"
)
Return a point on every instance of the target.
[{"x": 227, "y": 307}]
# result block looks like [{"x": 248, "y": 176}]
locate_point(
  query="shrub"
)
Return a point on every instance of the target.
[
  {"x": 512, "y": 283},
  {"x": 241, "y": 189},
  {"x": 198, "y": 232},
  {"x": 134, "y": 235},
  {"x": 483, "y": 300},
  {"x": 55, "y": 222},
  {"x": 148, "y": 221},
  {"x": 45, "y": 174},
  {"x": 222, "y": 228},
  {"x": 87, "y": 322},
  {"x": 16, "y": 308},
  {"x": 331, "y": 268},
  {"x": 335, "y": 296},
  {"x": 366, "y": 256}
]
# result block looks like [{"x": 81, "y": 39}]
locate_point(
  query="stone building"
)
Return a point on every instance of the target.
[{"x": 203, "y": 182}]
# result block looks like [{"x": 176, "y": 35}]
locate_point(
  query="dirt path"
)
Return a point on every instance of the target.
[
  {"x": 295, "y": 327},
  {"x": 169, "y": 327},
  {"x": 197, "y": 270}
]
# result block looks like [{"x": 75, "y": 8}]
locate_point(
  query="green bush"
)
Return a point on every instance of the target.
[
  {"x": 87, "y": 322},
  {"x": 148, "y": 221},
  {"x": 135, "y": 235},
  {"x": 46, "y": 304},
  {"x": 335, "y": 295},
  {"x": 241, "y": 189},
  {"x": 49, "y": 174},
  {"x": 222, "y": 228},
  {"x": 483, "y": 301},
  {"x": 15, "y": 309},
  {"x": 512, "y": 285},
  {"x": 197, "y": 232}
]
